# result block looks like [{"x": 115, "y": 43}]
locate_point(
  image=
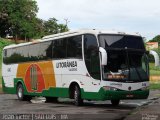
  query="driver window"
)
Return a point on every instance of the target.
[{"x": 91, "y": 55}]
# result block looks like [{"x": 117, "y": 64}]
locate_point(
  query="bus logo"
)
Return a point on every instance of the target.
[
  {"x": 34, "y": 77},
  {"x": 129, "y": 88}
]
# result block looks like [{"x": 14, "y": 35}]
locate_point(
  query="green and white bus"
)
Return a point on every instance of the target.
[{"x": 81, "y": 65}]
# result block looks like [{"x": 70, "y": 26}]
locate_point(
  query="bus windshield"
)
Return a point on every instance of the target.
[
  {"x": 126, "y": 58},
  {"x": 121, "y": 41}
]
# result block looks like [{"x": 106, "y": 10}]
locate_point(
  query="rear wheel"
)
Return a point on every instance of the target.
[
  {"x": 77, "y": 96},
  {"x": 115, "y": 102},
  {"x": 20, "y": 93}
]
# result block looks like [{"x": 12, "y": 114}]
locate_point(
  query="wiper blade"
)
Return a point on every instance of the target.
[{"x": 128, "y": 49}]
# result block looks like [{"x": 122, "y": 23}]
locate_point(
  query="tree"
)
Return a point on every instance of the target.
[
  {"x": 5, "y": 10},
  {"x": 17, "y": 18},
  {"x": 62, "y": 28},
  {"x": 39, "y": 28},
  {"x": 22, "y": 18},
  {"x": 156, "y": 39},
  {"x": 50, "y": 26}
]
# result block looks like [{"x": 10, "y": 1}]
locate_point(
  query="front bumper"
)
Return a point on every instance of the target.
[{"x": 120, "y": 95}]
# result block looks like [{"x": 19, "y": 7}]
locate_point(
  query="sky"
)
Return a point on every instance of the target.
[{"x": 141, "y": 16}]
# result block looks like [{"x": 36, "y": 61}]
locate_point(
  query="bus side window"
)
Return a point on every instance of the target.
[
  {"x": 45, "y": 50},
  {"x": 59, "y": 48},
  {"x": 74, "y": 47},
  {"x": 91, "y": 56},
  {"x": 5, "y": 53}
]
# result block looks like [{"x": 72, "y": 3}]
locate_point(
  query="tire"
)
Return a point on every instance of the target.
[
  {"x": 78, "y": 101},
  {"x": 51, "y": 99},
  {"x": 20, "y": 94},
  {"x": 115, "y": 102}
]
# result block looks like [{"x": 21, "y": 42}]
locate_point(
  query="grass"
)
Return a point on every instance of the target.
[
  {"x": 154, "y": 86},
  {"x": 154, "y": 70}
]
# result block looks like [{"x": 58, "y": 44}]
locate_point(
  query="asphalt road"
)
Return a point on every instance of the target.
[{"x": 65, "y": 109}]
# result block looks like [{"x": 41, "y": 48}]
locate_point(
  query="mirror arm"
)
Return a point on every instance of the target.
[
  {"x": 156, "y": 57},
  {"x": 103, "y": 55}
]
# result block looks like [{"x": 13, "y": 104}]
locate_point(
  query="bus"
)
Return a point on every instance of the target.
[{"x": 81, "y": 65}]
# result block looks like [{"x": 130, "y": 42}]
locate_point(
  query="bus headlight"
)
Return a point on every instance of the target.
[
  {"x": 109, "y": 88},
  {"x": 145, "y": 88}
]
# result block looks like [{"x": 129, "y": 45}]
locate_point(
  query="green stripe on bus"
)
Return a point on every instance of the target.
[
  {"x": 114, "y": 95},
  {"x": 64, "y": 92},
  {"x": 9, "y": 90}
]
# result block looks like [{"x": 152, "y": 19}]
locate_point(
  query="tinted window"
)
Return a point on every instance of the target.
[
  {"x": 121, "y": 41},
  {"x": 45, "y": 51},
  {"x": 91, "y": 56},
  {"x": 74, "y": 47},
  {"x": 34, "y": 52},
  {"x": 68, "y": 47},
  {"x": 59, "y": 48}
]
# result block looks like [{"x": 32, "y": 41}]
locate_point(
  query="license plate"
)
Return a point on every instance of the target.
[{"x": 129, "y": 96}]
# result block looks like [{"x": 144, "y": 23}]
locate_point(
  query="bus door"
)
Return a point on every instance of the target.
[{"x": 92, "y": 61}]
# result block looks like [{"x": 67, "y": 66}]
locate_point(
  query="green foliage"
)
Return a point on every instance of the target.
[
  {"x": 3, "y": 43},
  {"x": 151, "y": 57},
  {"x": 18, "y": 19},
  {"x": 153, "y": 69},
  {"x": 156, "y": 39},
  {"x": 154, "y": 86},
  {"x": 52, "y": 27},
  {"x": 62, "y": 28}
]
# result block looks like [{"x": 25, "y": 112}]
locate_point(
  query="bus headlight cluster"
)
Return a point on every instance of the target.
[
  {"x": 145, "y": 88},
  {"x": 109, "y": 88}
]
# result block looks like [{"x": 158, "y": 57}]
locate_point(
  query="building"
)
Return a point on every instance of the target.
[{"x": 151, "y": 45}]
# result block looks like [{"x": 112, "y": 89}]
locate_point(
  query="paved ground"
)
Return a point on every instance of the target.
[
  {"x": 151, "y": 111},
  {"x": 65, "y": 109}
]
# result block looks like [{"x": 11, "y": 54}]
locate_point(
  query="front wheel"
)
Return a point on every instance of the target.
[
  {"x": 77, "y": 96},
  {"x": 115, "y": 102}
]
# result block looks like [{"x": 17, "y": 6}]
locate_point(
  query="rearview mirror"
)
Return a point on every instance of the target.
[
  {"x": 156, "y": 57},
  {"x": 103, "y": 56}
]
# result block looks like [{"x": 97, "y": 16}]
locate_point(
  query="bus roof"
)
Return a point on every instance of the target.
[{"x": 72, "y": 33}]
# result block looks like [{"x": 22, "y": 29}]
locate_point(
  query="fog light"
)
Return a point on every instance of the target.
[{"x": 145, "y": 88}]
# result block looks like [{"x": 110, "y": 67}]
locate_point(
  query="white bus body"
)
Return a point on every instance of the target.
[{"x": 83, "y": 64}]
